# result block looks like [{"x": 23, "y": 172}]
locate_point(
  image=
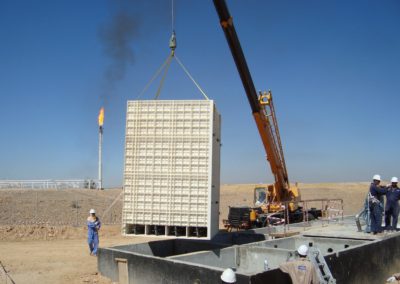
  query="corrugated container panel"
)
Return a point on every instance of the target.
[{"x": 172, "y": 160}]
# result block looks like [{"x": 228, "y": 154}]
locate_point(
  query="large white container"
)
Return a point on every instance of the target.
[{"x": 172, "y": 168}]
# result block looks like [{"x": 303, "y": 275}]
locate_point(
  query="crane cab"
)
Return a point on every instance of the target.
[{"x": 265, "y": 197}]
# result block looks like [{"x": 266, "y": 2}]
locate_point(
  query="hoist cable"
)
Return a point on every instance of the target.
[
  {"x": 172, "y": 16},
  {"x": 154, "y": 77},
  {"x": 163, "y": 77},
  {"x": 191, "y": 78}
]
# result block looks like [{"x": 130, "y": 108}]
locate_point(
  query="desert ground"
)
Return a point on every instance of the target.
[{"x": 43, "y": 234}]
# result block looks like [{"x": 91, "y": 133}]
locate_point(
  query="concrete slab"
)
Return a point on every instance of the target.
[{"x": 339, "y": 231}]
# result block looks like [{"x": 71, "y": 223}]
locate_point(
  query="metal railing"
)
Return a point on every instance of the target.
[
  {"x": 331, "y": 209},
  {"x": 49, "y": 184}
]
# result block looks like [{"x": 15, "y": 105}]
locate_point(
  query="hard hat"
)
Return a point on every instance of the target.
[
  {"x": 92, "y": 211},
  {"x": 228, "y": 276},
  {"x": 395, "y": 179},
  {"x": 302, "y": 250},
  {"x": 377, "y": 177}
]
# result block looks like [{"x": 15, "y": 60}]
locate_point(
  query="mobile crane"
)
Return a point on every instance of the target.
[{"x": 263, "y": 111}]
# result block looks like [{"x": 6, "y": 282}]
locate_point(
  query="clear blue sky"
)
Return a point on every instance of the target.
[{"x": 333, "y": 67}]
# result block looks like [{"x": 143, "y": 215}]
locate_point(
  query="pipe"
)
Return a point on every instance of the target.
[{"x": 100, "y": 186}]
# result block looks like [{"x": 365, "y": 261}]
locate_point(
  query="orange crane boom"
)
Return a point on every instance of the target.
[{"x": 262, "y": 108}]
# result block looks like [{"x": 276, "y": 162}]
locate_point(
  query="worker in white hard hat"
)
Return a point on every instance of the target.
[
  {"x": 395, "y": 278},
  {"x": 228, "y": 276},
  {"x": 392, "y": 205},
  {"x": 93, "y": 224},
  {"x": 301, "y": 271},
  {"x": 376, "y": 193}
]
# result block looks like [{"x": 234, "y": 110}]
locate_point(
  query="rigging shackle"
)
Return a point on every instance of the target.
[{"x": 172, "y": 42}]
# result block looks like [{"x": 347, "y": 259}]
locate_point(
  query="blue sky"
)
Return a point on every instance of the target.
[{"x": 333, "y": 67}]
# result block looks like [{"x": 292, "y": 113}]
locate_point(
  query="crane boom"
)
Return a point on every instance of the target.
[{"x": 261, "y": 106}]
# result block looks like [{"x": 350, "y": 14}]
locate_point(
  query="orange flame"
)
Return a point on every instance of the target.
[{"x": 101, "y": 116}]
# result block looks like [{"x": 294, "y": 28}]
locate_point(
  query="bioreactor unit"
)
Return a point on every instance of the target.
[{"x": 172, "y": 168}]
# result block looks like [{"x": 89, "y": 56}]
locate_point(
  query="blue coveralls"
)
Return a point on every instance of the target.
[
  {"x": 93, "y": 235},
  {"x": 392, "y": 207},
  {"x": 376, "y": 208},
  {"x": 366, "y": 215}
]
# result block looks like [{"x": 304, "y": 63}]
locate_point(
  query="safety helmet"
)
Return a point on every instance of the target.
[
  {"x": 377, "y": 177},
  {"x": 394, "y": 180},
  {"x": 92, "y": 211},
  {"x": 228, "y": 276},
  {"x": 302, "y": 250}
]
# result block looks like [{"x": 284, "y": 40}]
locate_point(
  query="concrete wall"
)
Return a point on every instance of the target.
[
  {"x": 166, "y": 248},
  {"x": 149, "y": 270},
  {"x": 222, "y": 259},
  {"x": 362, "y": 262},
  {"x": 325, "y": 245},
  {"x": 373, "y": 262},
  {"x": 240, "y": 238},
  {"x": 247, "y": 260},
  {"x": 251, "y": 260}
]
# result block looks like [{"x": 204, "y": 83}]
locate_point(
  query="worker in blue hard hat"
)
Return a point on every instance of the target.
[
  {"x": 375, "y": 196},
  {"x": 93, "y": 224},
  {"x": 392, "y": 205}
]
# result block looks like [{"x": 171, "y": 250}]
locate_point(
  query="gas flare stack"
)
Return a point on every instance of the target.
[{"x": 101, "y": 121}]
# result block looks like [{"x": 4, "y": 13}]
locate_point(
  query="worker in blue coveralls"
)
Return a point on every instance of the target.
[
  {"x": 392, "y": 205},
  {"x": 93, "y": 223},
  {"x": 376, "y": 193}
]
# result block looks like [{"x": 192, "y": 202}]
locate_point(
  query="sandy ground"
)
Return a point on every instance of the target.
[
  {"x": 57, "y": 207},
  {"x": 57, "y": 261},
  {"x": 47, "y": 253}
]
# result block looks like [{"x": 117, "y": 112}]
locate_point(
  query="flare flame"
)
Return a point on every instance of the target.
[{"x": 101, "y": 116}]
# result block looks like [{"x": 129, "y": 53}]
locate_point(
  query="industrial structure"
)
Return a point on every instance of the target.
[
  {"x": 349, "y": 255},
  {"x": 101, "y": 122},
  {"x": 172, "y": 168}
]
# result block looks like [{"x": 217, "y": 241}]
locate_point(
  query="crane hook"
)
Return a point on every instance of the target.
[{"x": 172, "y": 42}]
